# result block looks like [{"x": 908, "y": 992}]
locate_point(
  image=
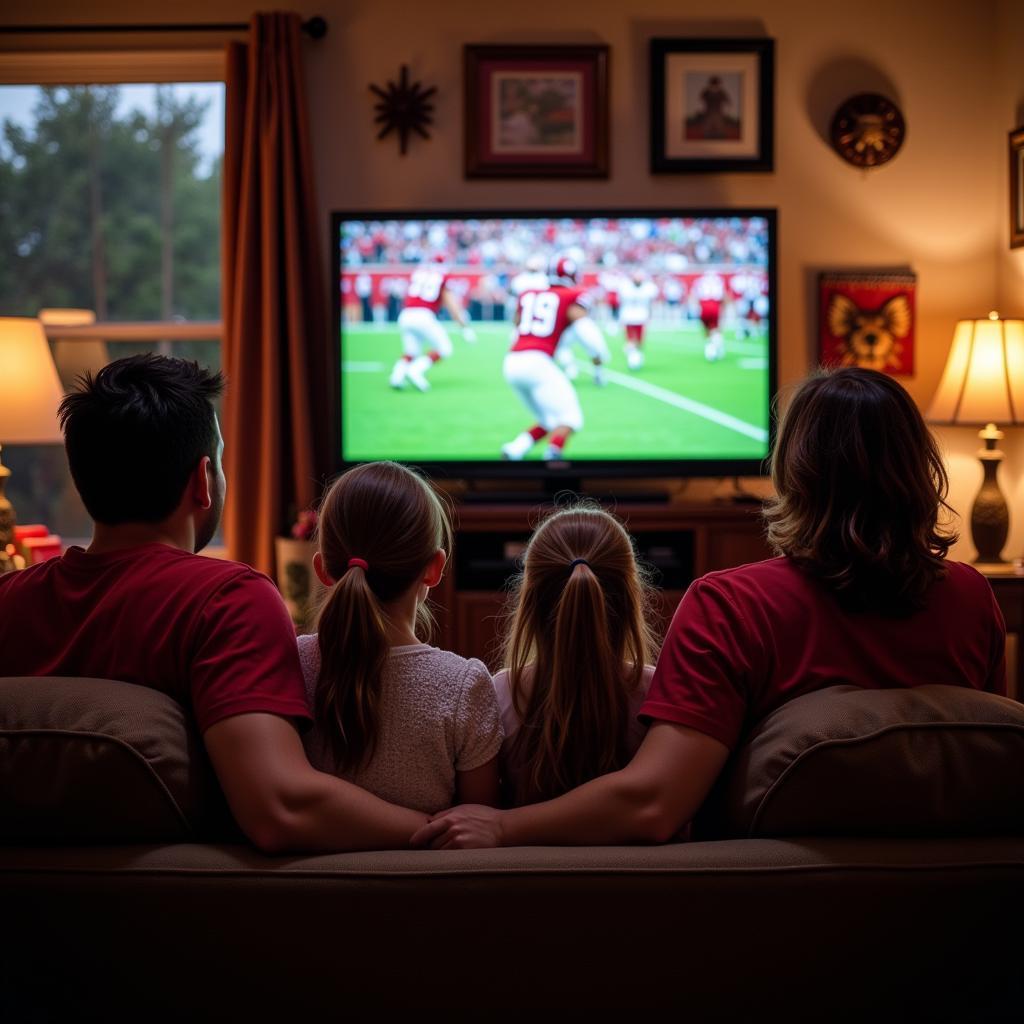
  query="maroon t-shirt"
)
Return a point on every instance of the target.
[
  {"x": 213, "y": 634},
  {"x": 744, "y": 641}
]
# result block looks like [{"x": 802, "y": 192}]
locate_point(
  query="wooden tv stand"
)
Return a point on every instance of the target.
[{"x": 682, "y": 542}]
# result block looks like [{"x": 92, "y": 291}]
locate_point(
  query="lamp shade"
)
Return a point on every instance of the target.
[
  {"x": 983, "y": 381},
  {"x": 30, "y": 390},
  {"x": 76, "y": 358}
]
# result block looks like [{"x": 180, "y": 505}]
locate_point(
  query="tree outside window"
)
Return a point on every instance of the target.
[{"x": 109, "y": 201}]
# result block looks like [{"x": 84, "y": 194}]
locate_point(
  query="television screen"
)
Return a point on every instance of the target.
[{"x": 626, "y": 343}]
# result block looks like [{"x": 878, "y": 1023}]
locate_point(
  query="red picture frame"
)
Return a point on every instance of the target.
[
  {"x": 867, "y": 319},
  {"x": 536, "y": 111}
]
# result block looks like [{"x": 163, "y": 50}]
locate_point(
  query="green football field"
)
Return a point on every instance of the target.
[{"x": 677, "y": 406}]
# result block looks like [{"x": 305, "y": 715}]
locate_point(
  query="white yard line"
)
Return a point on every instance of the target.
[
  {"x": 688, "y": 405},
  {"x": 743, "y": 348},
  {"x": 363, "y": 367}
]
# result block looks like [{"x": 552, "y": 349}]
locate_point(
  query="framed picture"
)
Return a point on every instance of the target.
[
  {"x": 867, "y": 319},
  {"x": 536, "y": 111},
  {"x": 711, "y": 105},
  {"x": 1017, "y": 188}
]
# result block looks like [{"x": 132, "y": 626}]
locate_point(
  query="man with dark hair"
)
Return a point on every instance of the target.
[{"x": 140, "y": 606}]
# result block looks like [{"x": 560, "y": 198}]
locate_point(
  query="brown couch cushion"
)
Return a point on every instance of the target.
[
  {"x": 90, "y": 760},
  {"x": 934, "y": 760}
]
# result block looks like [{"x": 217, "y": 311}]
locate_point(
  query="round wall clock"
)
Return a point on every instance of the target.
[{"x": 867, "y": 130}]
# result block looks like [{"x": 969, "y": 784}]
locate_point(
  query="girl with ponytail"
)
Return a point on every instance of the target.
[
  {"x": 576, "y": 654},
  {"x": 415, "y": 725}
]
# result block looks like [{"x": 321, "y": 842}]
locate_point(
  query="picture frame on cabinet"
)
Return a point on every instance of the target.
[
  {"x": 867, "y": 318},
  {"x": 536, "y": 111},
  {"x": 712, "y": 105}
]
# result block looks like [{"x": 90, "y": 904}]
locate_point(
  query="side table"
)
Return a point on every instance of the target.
[{"x": 1008, "y": 587}]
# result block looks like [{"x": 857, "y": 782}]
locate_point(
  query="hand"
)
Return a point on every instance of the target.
[
  {"x": 468, "y": 826},
  {"x": 469, "y": 335}
]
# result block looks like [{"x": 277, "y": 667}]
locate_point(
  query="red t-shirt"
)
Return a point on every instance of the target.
[
  {"x": 544, "y": 317},
  {"x": 744, "y": 641},
  {"x": 213, "y": 634}
]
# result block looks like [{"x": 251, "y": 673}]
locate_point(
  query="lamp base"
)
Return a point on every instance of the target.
[
  {"x": 6, "y": 509},
  {"x": 990, "y": 516},
  {"x": 7, "y": 521}
]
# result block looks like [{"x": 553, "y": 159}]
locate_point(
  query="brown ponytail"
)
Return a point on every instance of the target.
[
  {"x": 575, "y": 651},
  {"x": 390, "y": 518}
]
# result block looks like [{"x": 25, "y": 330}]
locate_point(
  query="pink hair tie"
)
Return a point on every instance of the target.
[{"x": 360, "y": 562}]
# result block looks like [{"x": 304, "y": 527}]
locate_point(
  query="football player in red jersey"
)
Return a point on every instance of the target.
[
  {"x": 420, "y": 328},
  {"x": 544, "y": 320}
]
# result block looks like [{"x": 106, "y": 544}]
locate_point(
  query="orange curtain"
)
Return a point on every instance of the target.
[{"x": 276, "y": 336}]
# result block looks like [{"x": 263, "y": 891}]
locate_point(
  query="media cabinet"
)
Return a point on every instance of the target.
[{"x": 679, "y": 541}]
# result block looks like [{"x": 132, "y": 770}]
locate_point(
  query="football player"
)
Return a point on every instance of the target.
[
  {"x": 636, "y": 295},
  {"x": 424, "y": 339},
  {"x": 534, "y": 278},
  {"x": 544, "y": 320},
  {"x": 709, "y": 290}
]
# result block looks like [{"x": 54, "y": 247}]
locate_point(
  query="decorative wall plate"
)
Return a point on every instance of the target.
[
  {"x": 403, "y": 107},
  {"x": 867, "y": 130}
]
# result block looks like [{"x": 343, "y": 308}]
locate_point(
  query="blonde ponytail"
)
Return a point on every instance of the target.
[{"x": 576, "y": 647}]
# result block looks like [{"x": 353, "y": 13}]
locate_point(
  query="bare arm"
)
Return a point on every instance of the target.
[
  {"x": 588, "y": 334},
  {"x": 479, "y": 785},
  {"x": 282, "y": 803},
  {"x": 649, "y": 800},
  {"x": 451, "y": 303}
]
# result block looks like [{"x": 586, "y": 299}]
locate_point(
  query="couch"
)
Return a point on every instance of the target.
[{"x": 862, "y": 859}]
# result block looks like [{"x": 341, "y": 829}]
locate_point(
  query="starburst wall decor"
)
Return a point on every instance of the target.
[{"x": 404, "y": 108}]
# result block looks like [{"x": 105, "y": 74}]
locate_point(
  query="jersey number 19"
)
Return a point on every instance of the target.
[{"x": 538, "y": 314}]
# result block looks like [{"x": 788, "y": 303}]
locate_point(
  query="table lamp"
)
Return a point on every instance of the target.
[
  {"x": 75, "y": 358},
  {"x": 982, "y": 385},
  {"x": 30, "y": 392}
]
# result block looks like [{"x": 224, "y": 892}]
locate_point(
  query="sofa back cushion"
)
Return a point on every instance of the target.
[
  {"x": 933, "y": 760},
  {"x": 91, "y": 760}
]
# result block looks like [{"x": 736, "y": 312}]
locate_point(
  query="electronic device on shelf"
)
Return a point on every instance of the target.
[{"x": 674, "y": 375}]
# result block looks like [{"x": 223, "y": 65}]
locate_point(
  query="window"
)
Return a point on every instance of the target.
[{"x": 109, "y": 202}]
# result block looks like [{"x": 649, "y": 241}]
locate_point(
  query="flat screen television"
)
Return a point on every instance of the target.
[{"x": 557, "y": 344}]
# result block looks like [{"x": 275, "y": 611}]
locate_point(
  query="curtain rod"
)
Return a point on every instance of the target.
[{"x": 315, "y": 28}]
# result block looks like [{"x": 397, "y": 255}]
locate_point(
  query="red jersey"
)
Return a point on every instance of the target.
[
  {"x": 213, "y": 634},
  {"x": 426, "y": 286},
  {"x": 544, "y": 317},
  {"x": 745, "y": 641}
]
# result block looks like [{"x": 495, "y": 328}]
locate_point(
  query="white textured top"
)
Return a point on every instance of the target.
[
  {"x": 635, "y": 730},
  {"x": 438, "y": 715}
]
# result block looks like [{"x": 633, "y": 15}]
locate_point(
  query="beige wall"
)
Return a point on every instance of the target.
[{"x": 939, "y": 207}]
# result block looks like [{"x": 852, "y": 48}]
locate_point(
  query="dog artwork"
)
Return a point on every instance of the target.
[{"x": 867, "y": 320}]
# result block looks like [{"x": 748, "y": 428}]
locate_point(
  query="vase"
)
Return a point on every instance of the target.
[{"x": 301, "y": 589}]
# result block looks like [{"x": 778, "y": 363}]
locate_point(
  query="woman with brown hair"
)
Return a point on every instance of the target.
[
  {"x": 576, "y": 655},
  {"x": 412, "y": 724},
  {"x": 861, "y": 593}
]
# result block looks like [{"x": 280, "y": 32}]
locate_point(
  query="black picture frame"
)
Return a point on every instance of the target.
[
  {"x": 753, "y": 150},
  {"x": 1017, "y": 188}
]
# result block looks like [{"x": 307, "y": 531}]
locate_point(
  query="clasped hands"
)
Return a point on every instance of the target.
[{"x": 468, "y": 826}]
